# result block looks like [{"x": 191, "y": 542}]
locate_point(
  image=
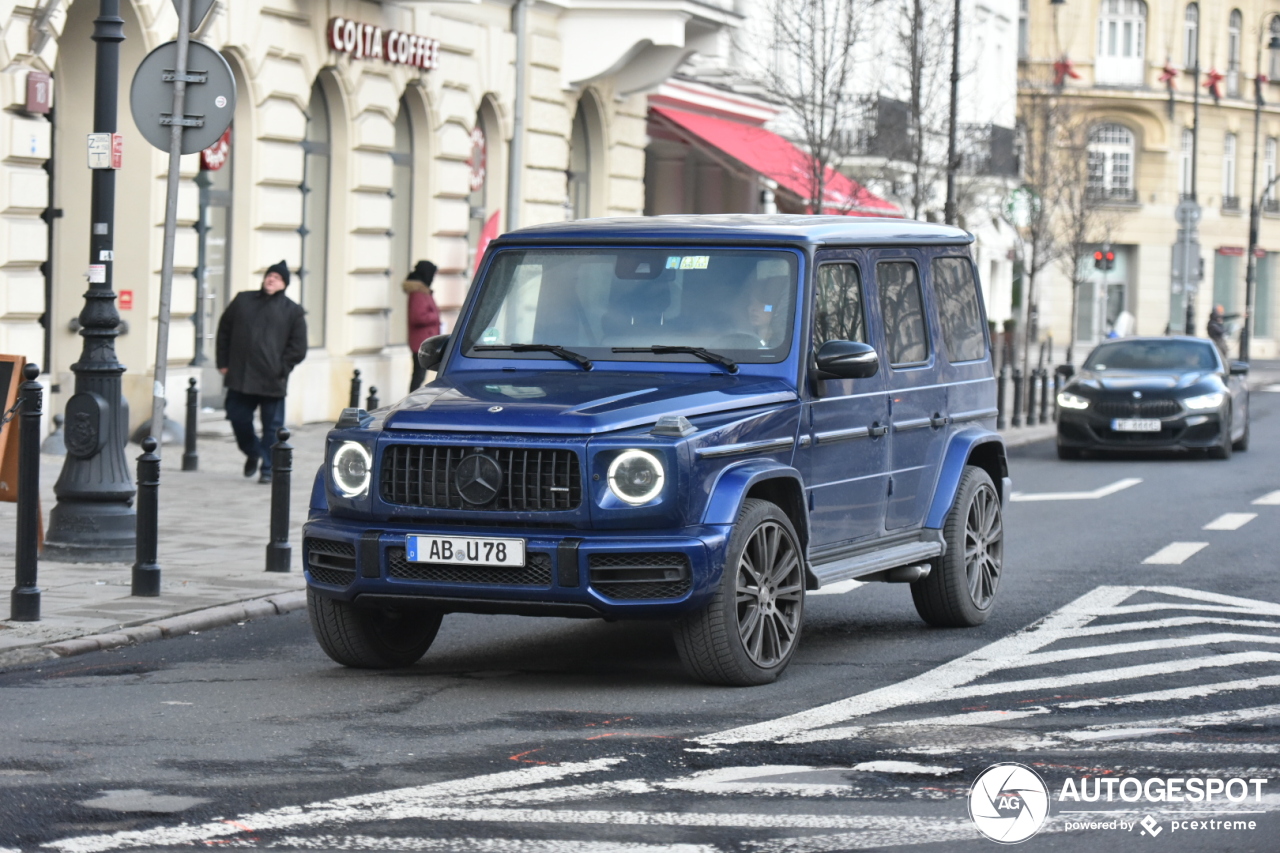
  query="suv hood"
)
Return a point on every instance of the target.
[{"x": 568, "y": 403}]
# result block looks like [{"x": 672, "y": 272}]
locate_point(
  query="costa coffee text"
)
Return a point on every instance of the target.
[{"x": 365, "y": 41}]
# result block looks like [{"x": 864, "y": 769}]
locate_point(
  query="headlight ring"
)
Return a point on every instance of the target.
[
  {"x": 636, "y": 477},
  {"x": 1204, "y": 401},
  {"x": 352, "y": 469},
  {"x": 1067, "y": 400}
]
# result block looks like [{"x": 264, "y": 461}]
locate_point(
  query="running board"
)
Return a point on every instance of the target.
[{"x": 876, "y": 561}]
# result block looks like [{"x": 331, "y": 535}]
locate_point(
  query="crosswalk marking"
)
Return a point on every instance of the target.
[
  {"x": 1175, "y": 553},
  {"x": 1231, "y": 521},
  {"x": 1269, "y": 499},
  {"x": 1117, "y": 486}
]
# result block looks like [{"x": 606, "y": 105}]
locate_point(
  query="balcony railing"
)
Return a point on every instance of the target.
[
  {"x": 1115, "y": 195},
  {"x": 1271, "y": 205},
  {"x": 1231, "y": 203}
]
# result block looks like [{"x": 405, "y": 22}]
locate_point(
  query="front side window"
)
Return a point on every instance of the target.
[
  {"x": 958, "y": 309},
  {"x": 902, "y": 308},
  {"x": 1122, "y": 38},
  {"x": 837, "y": 313},
  {"x": 1110, "y": 162},
  {"x": 739, "y": 303}
]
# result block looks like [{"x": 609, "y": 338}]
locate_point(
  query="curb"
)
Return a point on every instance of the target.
[{"x": 162, "y": 629}]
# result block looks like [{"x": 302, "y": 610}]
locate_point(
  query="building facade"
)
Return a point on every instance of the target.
[
  {"x": 1125, "y": 69},
  {"x": 347, "y": 164}
]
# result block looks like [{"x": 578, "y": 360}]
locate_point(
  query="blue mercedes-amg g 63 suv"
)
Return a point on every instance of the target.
[{"x": 696, "y": 419}]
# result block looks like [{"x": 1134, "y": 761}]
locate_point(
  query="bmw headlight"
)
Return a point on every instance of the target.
[
  {"x": 1204, "y": 401},
  {"x": 1067, "y": 400},
  {"x": 636, "y": 477},
  {"x": 352, "y": 469}
]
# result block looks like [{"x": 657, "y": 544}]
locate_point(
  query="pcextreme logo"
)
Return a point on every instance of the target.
[{"x": 1008, "y": 802}]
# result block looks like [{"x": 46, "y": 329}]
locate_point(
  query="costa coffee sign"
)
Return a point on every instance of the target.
[{"x": 365, "y": 41}]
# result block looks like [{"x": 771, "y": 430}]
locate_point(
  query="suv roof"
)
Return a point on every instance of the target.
[{"x": 744, "y": 228}]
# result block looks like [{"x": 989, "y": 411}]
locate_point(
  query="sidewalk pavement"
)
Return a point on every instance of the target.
[{"x": 214, "y": 527}]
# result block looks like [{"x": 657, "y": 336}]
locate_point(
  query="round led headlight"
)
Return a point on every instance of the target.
[
  {"x": 352, "y": 469},
  {"x": 636, "y": 477}
]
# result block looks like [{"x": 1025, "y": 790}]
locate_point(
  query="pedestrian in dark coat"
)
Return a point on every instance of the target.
[
  {"x": 262, "y": 337},
  {"x": 424, "y": 315},
  {"x": 1217, "y": 329}
]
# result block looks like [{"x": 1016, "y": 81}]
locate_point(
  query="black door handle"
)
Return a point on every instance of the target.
[
  {"x": 939, "y": 420},
  {"x": 876, "y": 430}
]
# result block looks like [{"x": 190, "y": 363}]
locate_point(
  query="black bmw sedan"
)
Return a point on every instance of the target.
[{"x": 1154, "y": 394}]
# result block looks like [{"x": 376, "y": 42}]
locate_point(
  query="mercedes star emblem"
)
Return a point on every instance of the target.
[
  {"x": 495, "y": 408},
  {"x": 479, "y": 479}
]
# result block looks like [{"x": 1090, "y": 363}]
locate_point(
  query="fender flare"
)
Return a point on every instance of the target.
[
  {"x": 957, "y": 455},
  {"x": 735, "y": 481}
]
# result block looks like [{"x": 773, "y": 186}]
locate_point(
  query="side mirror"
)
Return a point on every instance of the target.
[
  {"x": 1066, "y": 371},
  {"x": 431, "y": 353},
  {"x": 847, "y": 360},
  {"x": 1239, "y": 368}
]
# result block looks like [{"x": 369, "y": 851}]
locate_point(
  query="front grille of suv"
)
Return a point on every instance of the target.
[
  {"x": 1137, "y": 408},
  {"x": 539, "y": 479},
  {"x": 329, "y": 562},
  {"x": 642, "y": 576},
  {"x": 535, "y": 572}
]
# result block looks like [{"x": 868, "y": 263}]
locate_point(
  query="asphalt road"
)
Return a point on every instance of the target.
[{"x": 557, "y": 735}]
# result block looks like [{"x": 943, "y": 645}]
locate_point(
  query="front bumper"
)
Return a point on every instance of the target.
[
  {"x": 1084, "y": 429},
  {"x": 568, "y": 572}
]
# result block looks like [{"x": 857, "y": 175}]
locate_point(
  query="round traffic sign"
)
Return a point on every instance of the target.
[{"x": 213, "y": 102}]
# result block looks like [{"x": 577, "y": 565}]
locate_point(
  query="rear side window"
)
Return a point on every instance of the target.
[
  {"x": 838, "y": 315},
  {"x": 958, "y": 309},
  {"x": 902, "y": 308}
]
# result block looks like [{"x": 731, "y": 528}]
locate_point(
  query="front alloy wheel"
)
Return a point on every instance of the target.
[{"x": 751, "y": 628}]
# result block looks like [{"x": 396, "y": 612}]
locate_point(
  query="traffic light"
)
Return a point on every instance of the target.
[{"x": 1104, "y": 259}]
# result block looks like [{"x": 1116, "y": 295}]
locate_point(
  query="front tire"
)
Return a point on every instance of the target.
[
  {"x": 1065, "y": 452},
  {"x": 1223, "y": 449},
  {"x": 367, "y": 638},
  {"x": 748, "y": 633},
  {"x": 960, "y": 591},
  {"x": 1242, "y": 444}
]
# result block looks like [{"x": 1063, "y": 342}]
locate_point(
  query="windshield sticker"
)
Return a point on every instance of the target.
[
  {"x": 673, "y": 262},
  {"x": 689, "y": 262},
  {"x": 490, "y": 335}
]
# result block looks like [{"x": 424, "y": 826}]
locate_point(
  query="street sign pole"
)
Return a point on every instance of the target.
[{"x": 177, "y": 120}]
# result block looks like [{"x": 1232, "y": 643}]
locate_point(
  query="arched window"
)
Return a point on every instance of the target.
[
  {"x": 579, "y": 175},
  {"x": 1233, "y": 54},
  {"x": 1111, "y": 162},
  {"x": 402, "y": 259},
  {"x": 313, "y": 275},
  {"x": 1184, "y": 163},
  {"x": 1275, "y": 52},
  {"x": 1230, "y": 201},
  {"x": 1122, "y": 37},
  {"x": 1268, "y": 175},
  {"x": 1191, "y": 36}
]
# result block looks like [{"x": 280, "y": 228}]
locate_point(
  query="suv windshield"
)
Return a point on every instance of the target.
[
  {"x": 737, "y": 303},
  {"x": 1153, "y": 355}
]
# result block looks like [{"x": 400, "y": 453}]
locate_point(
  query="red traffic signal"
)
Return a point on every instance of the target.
[
  {"x": 1098, "y": 260},
  {"x": 1104, "y": 260}
]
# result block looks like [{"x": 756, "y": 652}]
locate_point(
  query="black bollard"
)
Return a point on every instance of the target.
[
  {"x": 1002, "y": 380},
  {"x": 1057, "y": 389},
  {"x": 279, "y": 551},
  {"x": 372, "y": 402},
  {"x": 190, "y": 458},
  {"x": 354, "y": 400},
  {"x": 1033, "y": 375},
  {"x": 146, "y": 571},
  {"x": 24, "y": 603},
  {"x": 1044, "y": 395},
  {"x": 1017, "y": 397}
]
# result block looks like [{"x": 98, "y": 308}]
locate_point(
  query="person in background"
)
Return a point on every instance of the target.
[
  {"x": 1217, "y": 328},
  {"x": 424, "y": 315},
  {"x": 262, "y": 337}
]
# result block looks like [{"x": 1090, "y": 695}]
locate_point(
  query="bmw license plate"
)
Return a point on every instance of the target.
[
  {"x": 465, "y": 550},
  {"x": 1135, "y": 425}
]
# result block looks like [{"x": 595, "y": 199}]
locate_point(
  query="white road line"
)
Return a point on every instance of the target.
[
  {"x": 1174, "y": 694},
  {"x": 1175, "y": 553},
  {"x": 474, "y": 845},
  {"x": 945, "y": 681},
  {"x": 1269, "y": 499},
  {"x": 380, "y": 806},
  {"x": 1275, "y": 389},
  {"x": 1117, "y": 486},
  {"x": 1230, "y": 521}
]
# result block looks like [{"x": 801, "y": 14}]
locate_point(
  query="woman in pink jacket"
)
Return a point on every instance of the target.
[{"x": 424, "y": 315}]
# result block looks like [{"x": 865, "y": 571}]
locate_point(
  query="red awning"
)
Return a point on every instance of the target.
[{"x": 768, "y": 154}]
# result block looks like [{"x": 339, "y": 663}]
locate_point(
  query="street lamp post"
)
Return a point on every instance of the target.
[
  {"x": 953, "y": 160},
  {"x": 94, "y": 519},
  {"x": 1255, "y": 205}
]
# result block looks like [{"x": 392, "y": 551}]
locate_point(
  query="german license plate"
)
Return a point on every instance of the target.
[
  {"x": 1135, "y": 425},
  {"x": 465, "y": 550}
]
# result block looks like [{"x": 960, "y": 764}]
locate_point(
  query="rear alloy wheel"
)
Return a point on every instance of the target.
[
  {"x": 368, "y": 638},
  {"x": 960, "y": 591},
  {"x": 751, "y": 628}
]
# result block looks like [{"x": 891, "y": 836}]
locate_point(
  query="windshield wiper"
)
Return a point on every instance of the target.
[
  {"x": 568, "y": 355},
  {"x": 704, "y": 354}
]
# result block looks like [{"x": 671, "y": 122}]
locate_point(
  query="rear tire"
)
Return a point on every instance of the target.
[
  {"x": 1069, "y": 452},
  {"x": 748, "y": 633},
  {"x": 960, "y": 591},
  {"x": 367, "y": 638}
]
